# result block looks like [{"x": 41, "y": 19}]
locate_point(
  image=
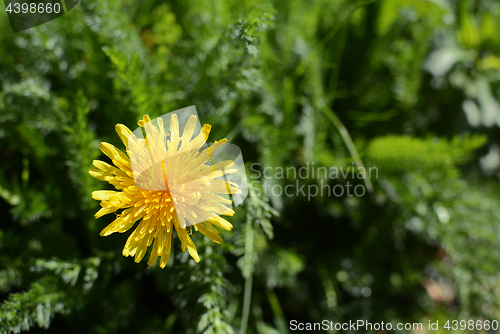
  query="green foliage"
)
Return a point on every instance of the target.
[
  {"x": 36, "y": 306},
  {"x": 410, "y": 88},
  {"x": 407, "y": 154}
]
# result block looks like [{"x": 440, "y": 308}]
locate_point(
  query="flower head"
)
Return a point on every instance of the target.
[{"x": 166, "y": 184}]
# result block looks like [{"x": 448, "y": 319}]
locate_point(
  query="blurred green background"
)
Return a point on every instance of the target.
[{"x": 408, "y": 86}]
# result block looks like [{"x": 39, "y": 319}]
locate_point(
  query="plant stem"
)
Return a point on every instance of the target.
[
  {"x": 348, "y": 142},
  {"x": 248, "y": 279}
]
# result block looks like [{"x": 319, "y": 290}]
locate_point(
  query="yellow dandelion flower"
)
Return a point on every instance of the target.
[{"x": 167, "y": 184}]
